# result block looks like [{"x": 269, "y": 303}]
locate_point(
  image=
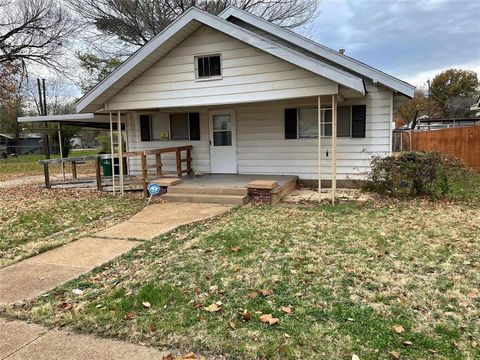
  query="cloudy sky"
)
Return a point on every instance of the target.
[{"x": 410, "y": 39}]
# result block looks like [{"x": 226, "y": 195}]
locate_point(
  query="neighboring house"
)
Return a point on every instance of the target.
[
  {"x": 246, "y": 94},
  {"x": 476, "y": 107},
  {"x": 27, "y": 144}
]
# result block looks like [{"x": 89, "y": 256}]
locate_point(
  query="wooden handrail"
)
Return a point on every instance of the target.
[{"x": 178, "y": 150}]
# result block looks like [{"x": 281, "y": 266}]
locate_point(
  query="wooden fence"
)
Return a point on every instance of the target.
[{"x": 461, "y": 142}]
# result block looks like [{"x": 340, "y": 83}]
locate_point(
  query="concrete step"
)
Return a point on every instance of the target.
[
  {"x": 206, "y": 198},
  {"x": 240, "y": 191}
]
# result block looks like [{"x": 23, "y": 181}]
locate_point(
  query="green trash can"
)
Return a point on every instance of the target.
[{"x": 106, "y": 165}]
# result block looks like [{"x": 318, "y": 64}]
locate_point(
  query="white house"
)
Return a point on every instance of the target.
[{"x": 249, "y": 97}]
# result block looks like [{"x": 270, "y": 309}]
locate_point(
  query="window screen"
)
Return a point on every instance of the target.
[
  {"x": 208, "y": 66},
  {"x": 343, "y": 121},
  {"x": 160, "y": 127},
  {"x": 308, "y": 123},
  {"x": 179, "y": 126}
]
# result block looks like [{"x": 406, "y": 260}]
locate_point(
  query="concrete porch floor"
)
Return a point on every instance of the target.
[{"x": 230, "y": 180}]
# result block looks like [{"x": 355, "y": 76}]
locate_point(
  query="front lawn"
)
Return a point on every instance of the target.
[
  {"x": 379, "y": 280},
  {"x": 27, "y": 165},
  {"x": 34, "y": 219}
]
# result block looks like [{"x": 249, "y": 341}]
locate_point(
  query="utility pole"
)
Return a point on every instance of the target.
[
  {"x": 429, "y": 100},
  {"x": 43, "y": 112}
]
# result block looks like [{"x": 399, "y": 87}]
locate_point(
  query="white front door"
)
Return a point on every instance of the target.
[{"x": 223, "y": 142}]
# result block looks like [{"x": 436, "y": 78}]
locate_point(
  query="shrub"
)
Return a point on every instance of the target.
[{"x": 410, "y": 174}]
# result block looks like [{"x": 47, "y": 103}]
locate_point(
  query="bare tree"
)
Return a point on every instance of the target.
[
  {"x": 137, "y": 21},
  {"x": 33, "y": 32}
]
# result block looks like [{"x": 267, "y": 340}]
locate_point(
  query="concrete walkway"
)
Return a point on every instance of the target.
[
  {"x": 158, "y": 219},
  {"x": 34, "y": 276},
  {"x": 22, "y": 341}
]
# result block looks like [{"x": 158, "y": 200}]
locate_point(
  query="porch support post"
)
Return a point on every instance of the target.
[
  {"x": 334, "y": 147},
  {"x": 319, "y": 150},
  {"x": 120, "y": 151},
  {"x": 112, "y": 150}
]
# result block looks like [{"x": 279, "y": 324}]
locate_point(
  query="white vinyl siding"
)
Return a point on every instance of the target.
[
  {"x": 263, "y": 149},
  {"x": 248, "y": 74},
  {"x": 200, "y": 152}
]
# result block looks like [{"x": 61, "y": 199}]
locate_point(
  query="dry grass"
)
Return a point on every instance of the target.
[
  {"x": 350, "y": 273},
  {"x": 34, "y": 219}
]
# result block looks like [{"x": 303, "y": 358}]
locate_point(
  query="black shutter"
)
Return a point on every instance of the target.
[
  {"x": 359, "y": 117},
  {"x": 194, "y": 119},
  {"x": 290, "y": 123},
  {"x": 145, "y": 127}
]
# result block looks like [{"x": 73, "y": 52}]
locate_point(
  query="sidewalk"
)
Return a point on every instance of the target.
[
  {"x": 22, "y": 341},
  {"x": 32, "y": 277}
]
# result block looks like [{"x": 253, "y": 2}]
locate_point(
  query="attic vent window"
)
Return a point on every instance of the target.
[{"x": 208, "y": 67}]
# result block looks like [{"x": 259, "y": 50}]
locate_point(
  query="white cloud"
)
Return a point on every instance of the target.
[{"x": 420, "y": 79}]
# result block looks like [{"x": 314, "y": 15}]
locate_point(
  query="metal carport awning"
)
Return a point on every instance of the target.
[{"x": 98, "y": 121}]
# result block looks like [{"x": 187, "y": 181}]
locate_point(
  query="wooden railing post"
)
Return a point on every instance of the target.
[
  {"x": 144, "y": 174},
  {"x": 98, "y": 174},
  {"x": 179, "y": 162},
  {"x": 189, "y": 161},
  {"x": 47, "y": 175},
  {"x": 158, "y": 161},
  {"x": 74, "y": 170}
]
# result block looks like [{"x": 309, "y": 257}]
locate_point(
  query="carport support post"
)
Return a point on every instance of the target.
[
  {"x": 60, "y": 144},
  {"x": 319, "y": 149},
  {"x": 112, "y": 150},
  {"x": 334, "y": 147},
  {"x": 120, "y": 151}
]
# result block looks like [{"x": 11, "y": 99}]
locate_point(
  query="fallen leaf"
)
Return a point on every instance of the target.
[
  {"x": 146, "y": 304},
  {"x": 355, "y": 357},
  {"x": 268, "y": 319},
  {"x": 232, "y": 325},
  {"x": 235, "y": 248},
  {"x": 407, "y": 343},
  {"x": 287, "y": 309},
  {"x": 246, "y": 315},
  {"x": 212, "y": 308},
  {"x": 474, "y": 344},
  {"x": 286, "y": 336},
  {"x": 395, "y": 354},
  {"x": 213, "y": 289},
  {"x": 432, "y": 351},
  {"x": 131, "y": 315},
  {"x": 265, "y": 292},
  {"x": 252, "y": 295},
  {"x": 167, "y": 357},
  {"x": 399, "y": 329},
  {"x": 190, "y": 355}
]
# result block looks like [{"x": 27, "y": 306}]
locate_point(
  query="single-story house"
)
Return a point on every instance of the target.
[
  {"x": 251, "y": 98},
  {"x": 27, "y": 144}
]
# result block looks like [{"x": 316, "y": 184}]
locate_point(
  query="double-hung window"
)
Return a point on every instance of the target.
[
  {"x": 176, "y": 126},
  {"x": 302, "y": 123},
  {"x": 208, "y": 67}
]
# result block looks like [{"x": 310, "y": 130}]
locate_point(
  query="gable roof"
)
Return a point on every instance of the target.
[
  {"x": 181, "y": 28},
  {"x": 301, "y": 43}
]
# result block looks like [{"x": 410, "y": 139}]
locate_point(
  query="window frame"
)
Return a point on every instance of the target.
[
  {"x": 324, "y": 109},
  {"x": 150, "y": 116},
  {"x": 207, "y": 78}
]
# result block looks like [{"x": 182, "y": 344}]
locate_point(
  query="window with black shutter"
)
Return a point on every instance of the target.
[
  {"x": 291, "y": 123},
  {"x": 145, "y": 128},
  {"x": 359, "y": 117}
]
